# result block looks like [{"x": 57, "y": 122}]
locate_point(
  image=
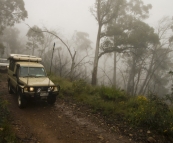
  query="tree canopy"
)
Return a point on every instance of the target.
[
  {"x": 11, "y": 39},
  {"x": 107, "y": 12},
  {"x": 35, "y": 38},
  {"x": 12, "y": 11}
]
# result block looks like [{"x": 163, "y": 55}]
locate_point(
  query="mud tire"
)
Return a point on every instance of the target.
[{"x": 21, "y": 101}]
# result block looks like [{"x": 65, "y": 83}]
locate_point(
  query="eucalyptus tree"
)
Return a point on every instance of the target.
[
  {"x": 35, "y": 38},
  {"x": 46, "y": 43},
  {"x": 155, "y": 75},
  {"x": 142, "y": 38},
  {"x": 160, "y": 61},
  {"x": 104, "y": 12},
  {"x": 11, "y": 40},
  {"x": 108, "y": 12},
  {"x": 11, "y": 12},
  {"x": 80, "y": 43},
  {"x": 148, "y": 67},
  {"x": 61, "y": 62}
]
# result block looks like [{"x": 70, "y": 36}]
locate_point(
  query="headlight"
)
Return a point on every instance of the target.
[
  {"x": 31, "y": 89},
  {"x": 57, "y": 88}
]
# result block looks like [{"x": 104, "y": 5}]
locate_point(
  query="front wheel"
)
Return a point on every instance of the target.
[
  {"x": 51, "y": 99},
  {"x": 21, "y": 101}
]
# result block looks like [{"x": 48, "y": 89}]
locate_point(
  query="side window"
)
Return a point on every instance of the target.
[
  {"x": 17, "y": 70},
  {"x": 12, "y": 65}
]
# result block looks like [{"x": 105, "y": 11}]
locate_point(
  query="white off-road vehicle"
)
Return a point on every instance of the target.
[
  {"x": 4, "y": 64},
  {"x": 27, "y": 78}
]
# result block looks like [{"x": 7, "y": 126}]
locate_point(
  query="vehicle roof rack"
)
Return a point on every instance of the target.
[{"x": 20, "y": 57}]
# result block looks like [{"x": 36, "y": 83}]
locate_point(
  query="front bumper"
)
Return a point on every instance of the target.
[
  {"x": 40, "y": 92},
  {"x": 39, "y": 96}
]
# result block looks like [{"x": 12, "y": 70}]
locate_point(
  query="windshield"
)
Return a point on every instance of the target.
[{"x": 32, "y": 72}]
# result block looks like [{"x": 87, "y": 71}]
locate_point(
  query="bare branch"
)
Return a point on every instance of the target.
[
  {"x": 55, "y": 36},
  {"x": 112, "y": 49}
]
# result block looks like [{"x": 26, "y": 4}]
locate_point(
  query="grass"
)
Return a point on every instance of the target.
[
  {"x": 138, "y": 111},
  {"x": 6, "y": 133}
]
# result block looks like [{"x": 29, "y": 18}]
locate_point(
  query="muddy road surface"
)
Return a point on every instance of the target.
[{"x": 60, "y": 123}]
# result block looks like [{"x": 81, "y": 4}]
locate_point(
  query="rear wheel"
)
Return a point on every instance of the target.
[{"x": 9, "y": 88}]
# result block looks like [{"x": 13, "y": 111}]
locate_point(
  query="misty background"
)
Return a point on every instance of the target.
[{"x": 140, "y": 63}]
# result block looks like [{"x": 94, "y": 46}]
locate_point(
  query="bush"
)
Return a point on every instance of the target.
[
  {"x": 6, "y": 134},
  {"x": 150, "y": 112},
  {"x": 65, "y": 85},
  {"x": 111, "y": 94},
  {"x": 80, "y": 86}
]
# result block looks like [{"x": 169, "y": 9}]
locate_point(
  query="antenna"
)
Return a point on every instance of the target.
[
  {"x": 51, "y": 61},
  {"x": 28, "y": 67}
]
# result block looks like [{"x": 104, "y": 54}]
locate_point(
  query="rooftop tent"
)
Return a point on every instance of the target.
[{"x": 24, "y": 58}]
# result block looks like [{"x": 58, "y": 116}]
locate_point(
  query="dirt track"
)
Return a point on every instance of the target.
[{"x": 61, "y": 123}]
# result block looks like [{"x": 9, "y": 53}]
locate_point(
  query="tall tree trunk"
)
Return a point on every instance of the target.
[
  {"x": 130, "y": 85},
  {"x": 137, "y": 82},
  {"x": 115, "y": 69},
  {"x": 147, "y": 76},
  {"x": 60, "y": 63},
  {"x": 115, "y": 66},
  {"x": 95, "y": 65},
  {"x": 33, "y": 48},
  {"x": 72, "y": 66}
]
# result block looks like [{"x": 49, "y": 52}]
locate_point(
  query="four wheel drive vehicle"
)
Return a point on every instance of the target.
[
  {"x": 28, "y": 79},
  {"x": 4, "y": 64}
]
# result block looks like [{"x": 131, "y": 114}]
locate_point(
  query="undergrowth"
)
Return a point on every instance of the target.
[
  {"x": 6, "y": 133},
  {"x": 139, "y": 111}
]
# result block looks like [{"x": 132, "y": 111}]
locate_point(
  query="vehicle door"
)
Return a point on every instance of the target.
[
  {"x": 14, "y": 76},
  {"x": 11, "y": 71}
]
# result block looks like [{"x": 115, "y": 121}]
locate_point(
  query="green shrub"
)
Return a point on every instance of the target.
[
  {"x": 111, "y": 94},
  {"x": 3, "y": 110},
  {"x": 80, "y": 86},
  {"x": 65, "y": 85},
  {"x": 6, "y": 134},
  {"x": 150, "y": 112}
]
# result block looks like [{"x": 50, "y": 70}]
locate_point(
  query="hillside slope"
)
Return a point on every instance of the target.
[{"x": 62, "y": 123}]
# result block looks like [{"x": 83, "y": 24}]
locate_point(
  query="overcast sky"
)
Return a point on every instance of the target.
[{"x": 71, "y": 15}]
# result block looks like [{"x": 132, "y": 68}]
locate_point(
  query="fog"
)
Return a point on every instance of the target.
[
  {"x": 63, "y": 15},
  {"x": 70, "y": 15},
  {"x": 74, "y": 24}
]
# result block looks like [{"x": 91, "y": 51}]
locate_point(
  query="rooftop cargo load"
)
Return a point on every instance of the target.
[{"x": 20, "y": 57}]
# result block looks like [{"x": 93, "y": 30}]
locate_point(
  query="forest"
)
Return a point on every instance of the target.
[
  {"x": 129, "y": 58},
  {"x": 133, "y": 56}
]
